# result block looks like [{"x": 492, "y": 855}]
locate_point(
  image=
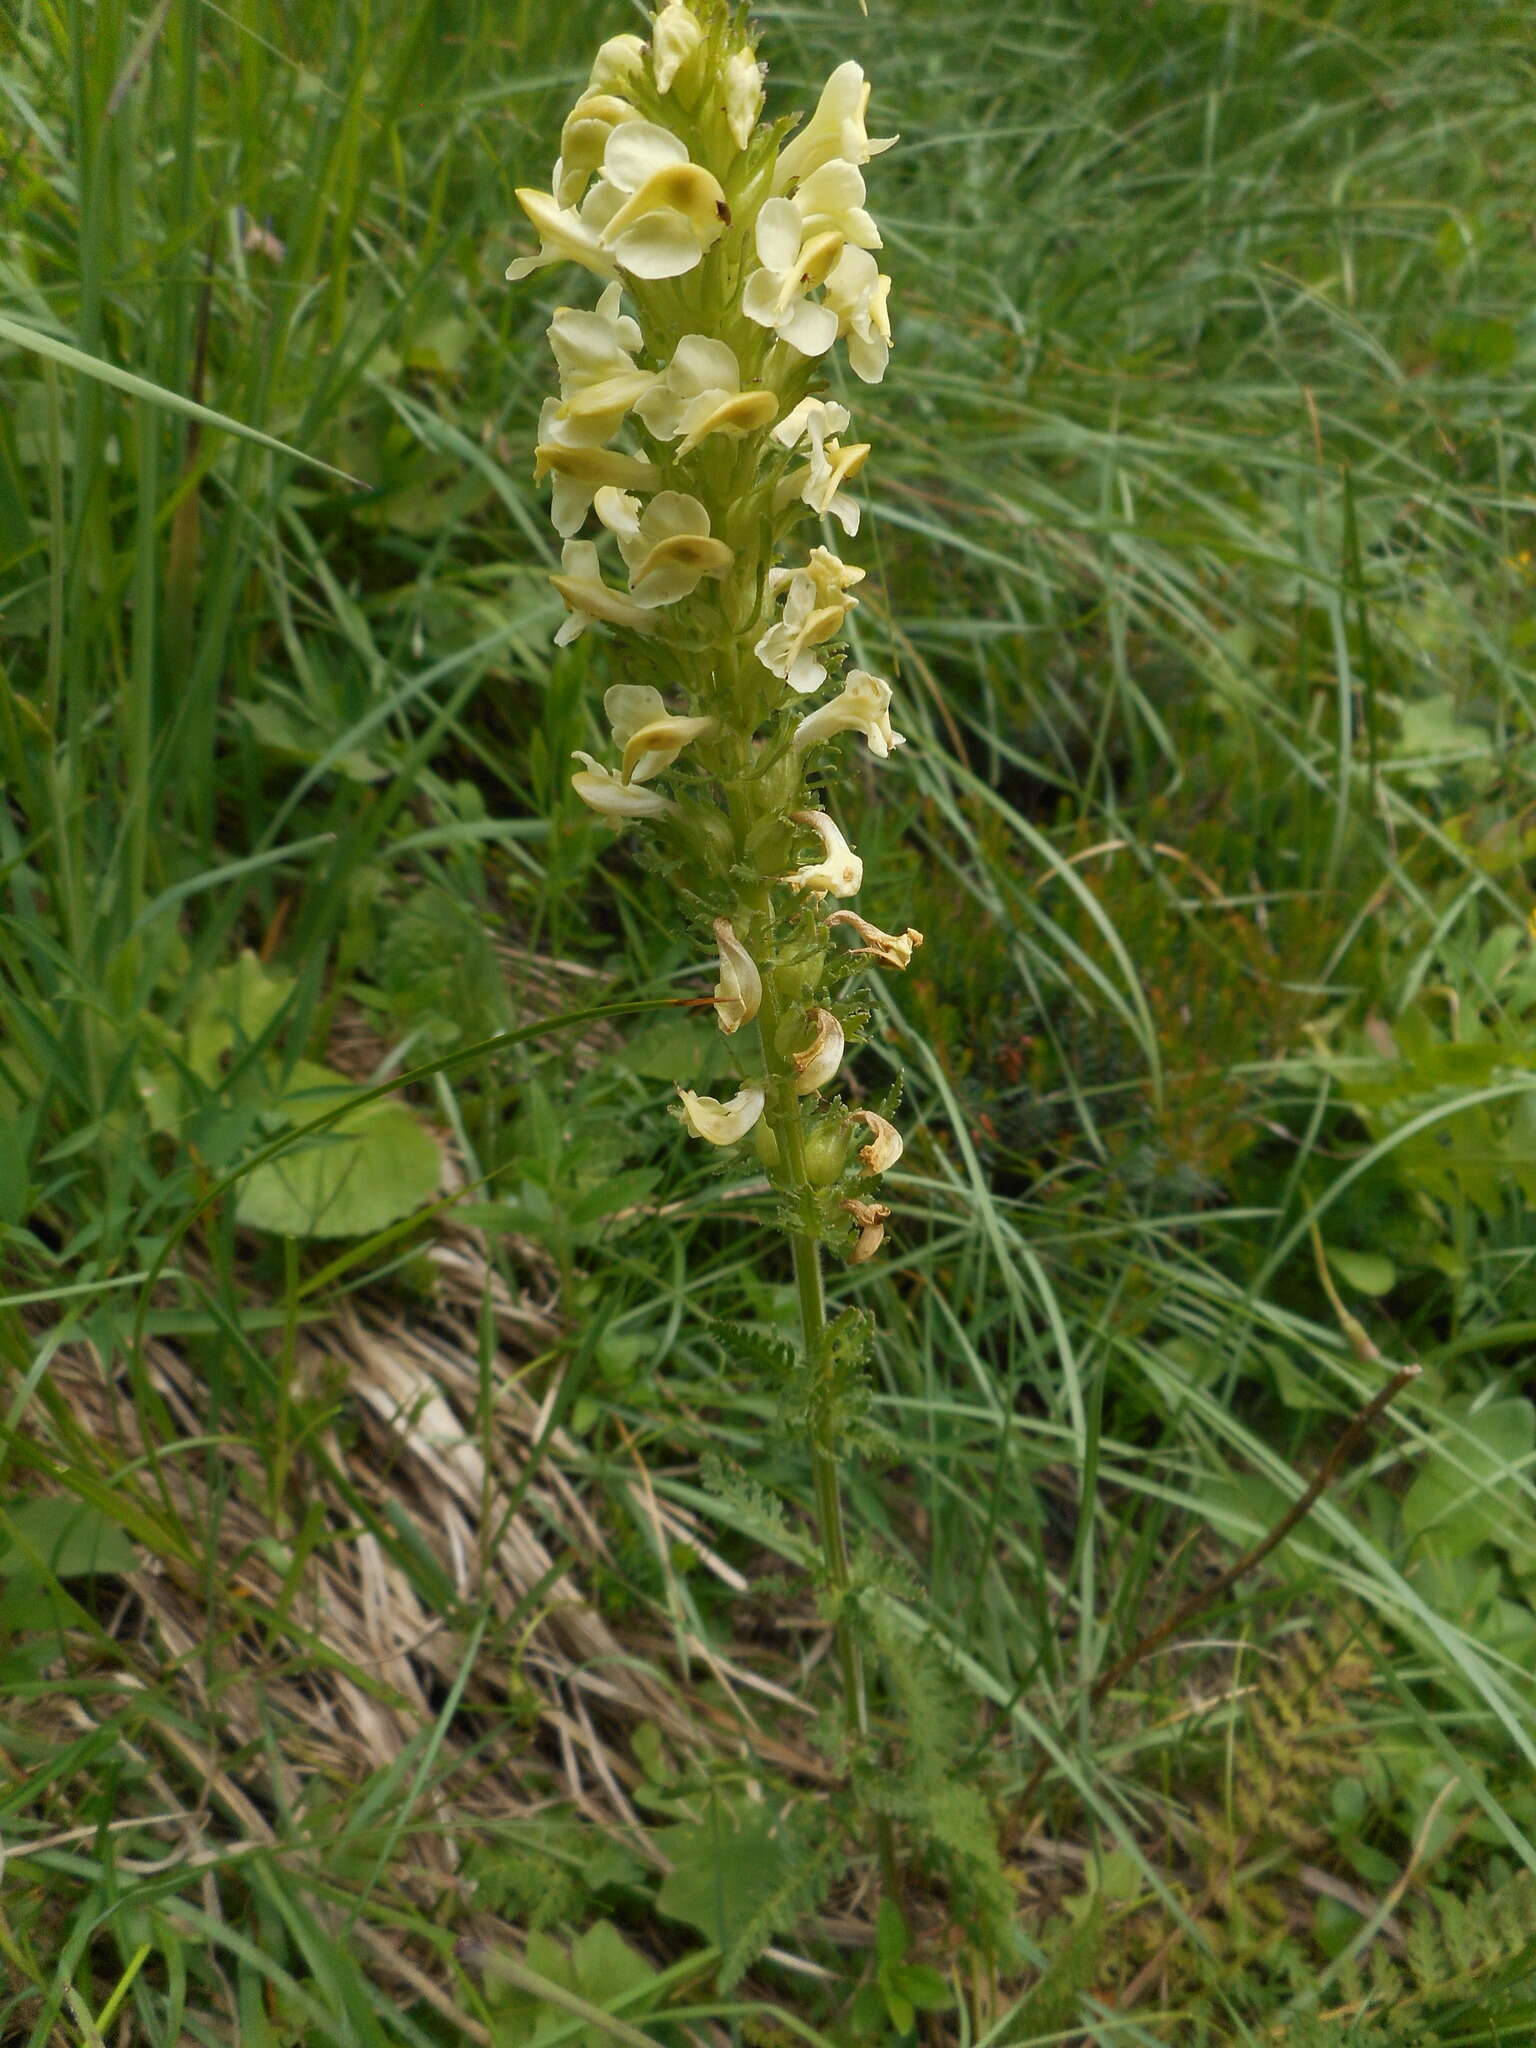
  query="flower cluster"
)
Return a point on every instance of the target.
[{"x": 692, "y": 435}]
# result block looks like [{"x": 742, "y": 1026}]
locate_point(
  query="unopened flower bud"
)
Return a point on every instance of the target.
[
  {"x": 826, "y": 1151},
  {"x": 675, "y": 35},
  {"x": 739, "y": 991},
  {"x": 820, "y": 1060}
]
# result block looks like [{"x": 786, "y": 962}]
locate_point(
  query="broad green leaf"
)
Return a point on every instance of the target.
[
  {"x": 1244, "y": 1507},
  {"x": 674, "y": 1048},
  {"x": 70, "y": 358},
  {"x": 366, "y": 1171},
  {"x": 926, "y": 1989},
  {"x": 1366, "y": 1272},
  {"x": 890, "y": 1935},
  {"x": 71, "y": 1537},
  {"x": 623, "y": 1191},
  {"x": 725, "y": 1868},
  {"x": 233, "y": 1008},
  {"x": 278, "y": 730},
  {"x": 1465, "y": 1492},
  {"x": 595, "y": 1972}
]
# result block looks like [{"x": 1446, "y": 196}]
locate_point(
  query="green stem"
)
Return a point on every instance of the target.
[
  {"x": 783, "y": 1116},
  {"x": 828, "y": 1490},
  {"x": 834, "y": 1540}
]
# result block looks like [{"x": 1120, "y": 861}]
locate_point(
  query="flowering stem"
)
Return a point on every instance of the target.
[
  {"x": 693, "y": 431},
  {"x": 783, "y": 1118},
  {"x": 834, "y": 1540},
  {"x": 824, "y": 1474}
]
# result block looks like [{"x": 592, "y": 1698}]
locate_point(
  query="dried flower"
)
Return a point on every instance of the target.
[
  {"x": 839, "y": 872},
  {"x": 890, "y": 949}
]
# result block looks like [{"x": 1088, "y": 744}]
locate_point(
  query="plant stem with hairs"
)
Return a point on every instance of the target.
[{"x": 691, "y": 437}]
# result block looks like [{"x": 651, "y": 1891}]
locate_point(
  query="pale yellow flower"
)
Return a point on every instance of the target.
[
  {"x": 700, "y": 393},
  {"x": 573, "y": 452},
  {"x": 822, "y": 417},
  {"x": 839, "y": 872},
  {"x": 743, "y": 83},
  {"x": 859, "y": 295},
  {"x": 583, "y": 140},
  {"x": 568, "y": 234},
  {"x": 816, "y": 602},
  {"x": 836, "y": 129},
  {"x": 649, "y": 737},
  {"x": 819, "y": 482},
  {"x": 775, "y": 294},
  {"x": 613, "y": 798},
  {"x": 722, "y": 1123},
  {"x": 739, "y": 991},
  {"x": 890, "y": 949},
  {"x": 885, "y": 1146},
  {"x": 588, "y": 597},
  {"x": 675, "y": 35},
  {"x": 669, "y": 210},
  {"x": 666, "y": 547},
  {"x": 817, "y": 1065},
  {"x": 594, "y": 350},
  {"x": 863, "y": 706},
  {"x": 618, "y": 64},
  {"x": 831, "y": 201}
]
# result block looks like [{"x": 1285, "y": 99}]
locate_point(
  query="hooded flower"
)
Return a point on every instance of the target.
[
  {"x": 739, "y": 991},
  {"x": 613, "y": 798},
  {"x": 818, "y": 482},
  {"x": 819, "y": 1062},
  {"x": 775, "y": 295},
  {"x": 884, "y": 1147},
  {"x": 568, "y": 234},
  {"x": 839, "y": 872},
  {"x": 743, "y": 83},
  {"x": 836, "y": 129},
  {"x": 573, "y": 452},
  {"x": 669, "y": 209},
  {"x": 871, "y": 1218},
  {"x": 699, "y": 393},
  {"x": 648, "y": 735},
  {"x": 722, "y": 1123},
  {"x": 666, "y": 548},
  {"x": 675, "y": 35},
  {"x": 816, "y": 602},
  {"x": 864, "y": 706},
  {"x": 594, "y": 351},
  {"x": 584, "y": 138},
  {"x": 858, "y": 294},
  {"x": 831, "y": 201},
  {"x": 889, "y": 948},
  {"x": 588, "y": 597},
  {"x": 617, "y": 65}
]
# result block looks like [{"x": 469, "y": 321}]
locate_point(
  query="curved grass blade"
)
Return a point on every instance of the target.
[{"x": 71, "y": 358}]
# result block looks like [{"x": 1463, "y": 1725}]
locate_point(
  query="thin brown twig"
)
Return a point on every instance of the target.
[
  {"x": 1190, "y": 1609},
  {"x": 1298, "y": 1510}
]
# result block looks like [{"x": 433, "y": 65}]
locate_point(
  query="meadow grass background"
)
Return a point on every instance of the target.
[{"x": 361, "y": 1597}]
